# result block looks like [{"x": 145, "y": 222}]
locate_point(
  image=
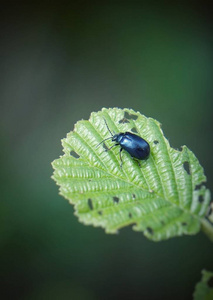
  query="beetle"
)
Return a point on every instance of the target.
[{"x": 135, "y": 145}]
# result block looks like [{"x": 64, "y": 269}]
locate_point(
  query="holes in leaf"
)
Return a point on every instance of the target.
[
  {"x": 156, "y": 142},
  {"x": 133, "y": 196},
  {"x": 210, "y": 282},
  {"x": 150, "y": 230},
  {"x": 186, "y": 167},
  {"x": 210, "y": 212},
  {"x": 134, "y": 130},
  {"x": 198, "y": 186},
  {"x": 124, "y": 120},
  {"x": 116, "y": 199},
  {"x": 130, "y": 215},
  {"x": 100, "y": 212},
  {"x": 200, "y": 199},
  {"x": 183, "y": 223},
  {"x": 90, "y": 204},
  {"x": 74, "y": 154},
  {"x": 130, "y": 116},
  {"x": 210, "y": 209}
]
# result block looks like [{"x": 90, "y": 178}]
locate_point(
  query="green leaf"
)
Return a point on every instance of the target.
[
  {"x": 204, "y": 288},
  {"x": 163, "y": 197}
]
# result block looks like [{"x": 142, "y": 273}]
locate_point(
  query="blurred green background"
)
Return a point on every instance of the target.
[{"x": 59, "y": 63}]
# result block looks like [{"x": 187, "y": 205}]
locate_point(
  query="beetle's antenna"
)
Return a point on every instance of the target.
[
  {"x": 108, "y": 127},
  {"x": 103, "y": 141},
  {"x": 106, "y": 138}
]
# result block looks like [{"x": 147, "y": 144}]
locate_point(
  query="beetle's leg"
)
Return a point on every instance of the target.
[
  {"x": 135, "y": 159},
  {"x": 139, "y": 164},
  {"x": 121, "y": 158},
  {"x": 111, "y": 147}
]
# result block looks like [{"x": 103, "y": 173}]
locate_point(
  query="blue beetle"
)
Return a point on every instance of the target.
[{"x": 135, "y": 145}]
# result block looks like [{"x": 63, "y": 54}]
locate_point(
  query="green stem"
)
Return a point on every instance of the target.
[{"x": 207, "y": 228}]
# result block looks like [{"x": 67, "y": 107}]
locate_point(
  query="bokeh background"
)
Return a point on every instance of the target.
[{"x": 60, "y": 62}]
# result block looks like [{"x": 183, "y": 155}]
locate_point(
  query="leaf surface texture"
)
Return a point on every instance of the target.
[{"x": 163, "y": 197}]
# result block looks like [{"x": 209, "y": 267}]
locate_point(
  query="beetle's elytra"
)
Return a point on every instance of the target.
[{"x": 135, "y": 145}]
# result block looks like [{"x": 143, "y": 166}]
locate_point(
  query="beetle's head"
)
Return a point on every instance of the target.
[{"x": 117, "y": 137}]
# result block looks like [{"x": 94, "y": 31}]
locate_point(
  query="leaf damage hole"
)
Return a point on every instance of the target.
[
  {"x": 130, "y": 215},
  {"x": 198, "y": 186},
  {"x": 100, "y": 212},
  {"x": 130, "y": 116},
  {"x": 210, "y": 209},
  {"x": 183, "y": 223},
  {"x": 200, "y": 198},
  {"x": 133, "y": 196},
  {"x": 124, "y": 120},
  {"x": 150, "y": 230},
  {"x": 116, "y": 199},
  {"x": 179, "y": 149},
  {"x": 74, "y": 154},
  {"x": 156, "y": 142},
  {"x": 186, "y": 167},
  {"x": 134, "y": 130},
  {"x": 210, "y": 282},
  {"x": 209, "y": 212},
  {"x": 90, "y": 204}
]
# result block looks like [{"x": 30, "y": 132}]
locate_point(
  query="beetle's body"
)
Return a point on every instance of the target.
[{"x": 135, "y": 145}]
